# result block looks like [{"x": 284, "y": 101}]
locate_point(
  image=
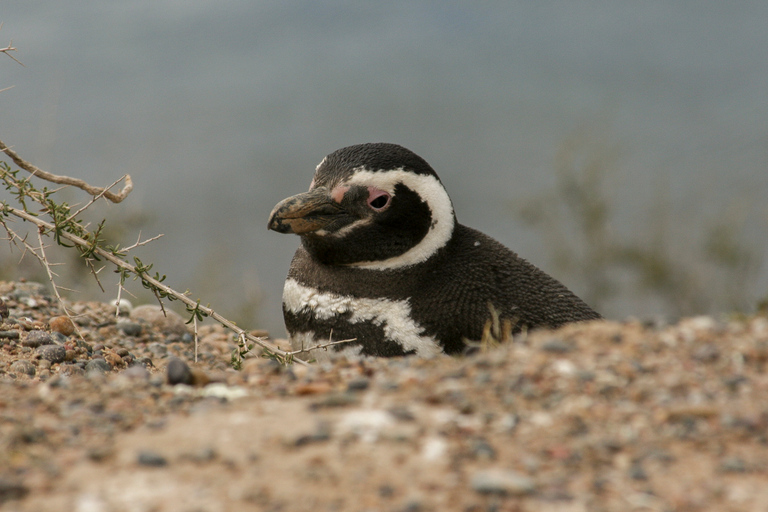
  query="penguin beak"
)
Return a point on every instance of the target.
[{"x": 304, "y": 213}]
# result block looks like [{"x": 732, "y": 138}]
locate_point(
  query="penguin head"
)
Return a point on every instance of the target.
[{"x": 376, "y": 206}]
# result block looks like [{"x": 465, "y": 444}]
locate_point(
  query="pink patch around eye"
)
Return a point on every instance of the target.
[
  {"x": 378, "y": 199},
  {"x": 337, "y": 194}
]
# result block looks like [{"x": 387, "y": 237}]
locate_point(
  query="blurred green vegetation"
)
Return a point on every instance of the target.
[{"x": 611, "y": 269}]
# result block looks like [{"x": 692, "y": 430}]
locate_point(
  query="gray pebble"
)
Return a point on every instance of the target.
[
  {"x": 637, "y": 472},
  {"x": 481, "y": 449},
  {"x": 124, "y": 307},
  {"x": 145, "y": 362},
  {"x": 152, "y": 459},
  {"x": 359, "y": 384},
  {"x": 556, "y": 346},
  {"x": 502, "y": 482},
  {"x": 97, "y": 366},
  {"x": 71, "y": 369},
  {"x": 136, "y": 371},
  {"x": 130, "y": 328},
  {"x": 9, "y": 335},
  {"x": 178, "y": 372},
  {"x": 158, "y": 349},
  {"x": 733, "y": 465},
  {"x": 58, "y": 338},
  {"x": 24, "y": 367},
  {"x": 36, "y": 339},
  {"x": 12, "y": 490},
  {"x": 53, "y": 353}
]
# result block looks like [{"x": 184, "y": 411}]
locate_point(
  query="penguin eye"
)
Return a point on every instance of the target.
[{"x": 378, "y": 199}]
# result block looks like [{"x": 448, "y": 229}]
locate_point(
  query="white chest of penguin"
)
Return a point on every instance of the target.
[{"x": 393, "y": 317}]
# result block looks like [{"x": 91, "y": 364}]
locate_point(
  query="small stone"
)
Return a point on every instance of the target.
[
  {"x": 97, "y": 366},
  {"x": 62, "y": 324},
  {"x": 44, "y": 364},
  {"x": 3, "y": 310},
  {"x": 706, "y": 353},
  {"x": 23, "y": 367},
  {"x": 124, "y": 307},
  {"x": 9, "y": 335},
  {"x": 130, "y": 328},
  {"x": 71, "y": 369},
  {"x": 321, "y": 433},
  {"x": 37, "y": 338},
  {"x": 158, "y": 349},
  {"x": 637, "y": 472},
  {"x": 11, "y": 490},
  {"x": 556, "y": 346},
  {"x": 178, "y": 372},
  {"x": 482, "y": 450},
  {"x": 53, "y": 353},
  {"x": 199, "y": 377},
  {"x": 201, "y": 455},
  {"x": 146, "y": 362},
  {"x": 502, "y": 482},
  {"x": 335, "y": 400},
  {"x": 151, "y": 459},
  {"x": 136, "y": 371},
  {"x": 58, "y": 338},
  {"x": 360, "y": 384},
  {"x": 168, "y": 321},
  {"x": 733, "y": 465}
]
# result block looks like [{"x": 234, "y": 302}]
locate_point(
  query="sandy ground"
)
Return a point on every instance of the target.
[{"x": 592, "y": 417}]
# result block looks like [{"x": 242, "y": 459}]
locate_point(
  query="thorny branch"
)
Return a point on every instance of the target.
[{"x": 64, "y": 227}]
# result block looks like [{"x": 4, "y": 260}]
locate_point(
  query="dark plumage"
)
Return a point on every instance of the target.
[{"x": 383, "y": 260}]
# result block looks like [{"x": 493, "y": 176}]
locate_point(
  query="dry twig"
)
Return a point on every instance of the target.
[{"x": 66, "y": 180}]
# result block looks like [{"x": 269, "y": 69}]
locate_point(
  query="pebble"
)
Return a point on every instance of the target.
[
  {"x": 733, "y": 465},
  {"x": 556, "y": 346},
  {"x": 151, "y": 459},
  {"x": 130, "y": 328},
  {"x": 24, "y": 367},
  {"x": 502, "y": 482},
  {"x": 9, "y": 335},
  {"x": 136, "y": 371},
  {"x": 124, "y": 307},
  {"x": 62, "y": 324},
  {"x": 158, "y": 349},
  {"x": 482, "y": 450},
  {"x": 97, "y": 366},
  {"x": 168, "y": 322},
  {"x": 53, "y": 353},
  {"x": 360, "y": 384},
  {"x": 178, "y": 372},
  {"x": 12, "y": 490},
  {"x": 37, "y": 338}
]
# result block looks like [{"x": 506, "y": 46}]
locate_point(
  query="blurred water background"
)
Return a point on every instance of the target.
[{"x": 620, "y": 146}]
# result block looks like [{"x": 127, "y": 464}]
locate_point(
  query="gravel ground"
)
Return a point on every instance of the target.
[{"x": 592, "y": 417}]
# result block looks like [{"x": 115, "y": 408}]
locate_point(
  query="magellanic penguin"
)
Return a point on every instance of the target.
[{"x": 384, "y": 261}]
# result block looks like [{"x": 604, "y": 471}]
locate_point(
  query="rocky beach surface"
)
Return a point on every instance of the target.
[{"x": 110, "y": 413}]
